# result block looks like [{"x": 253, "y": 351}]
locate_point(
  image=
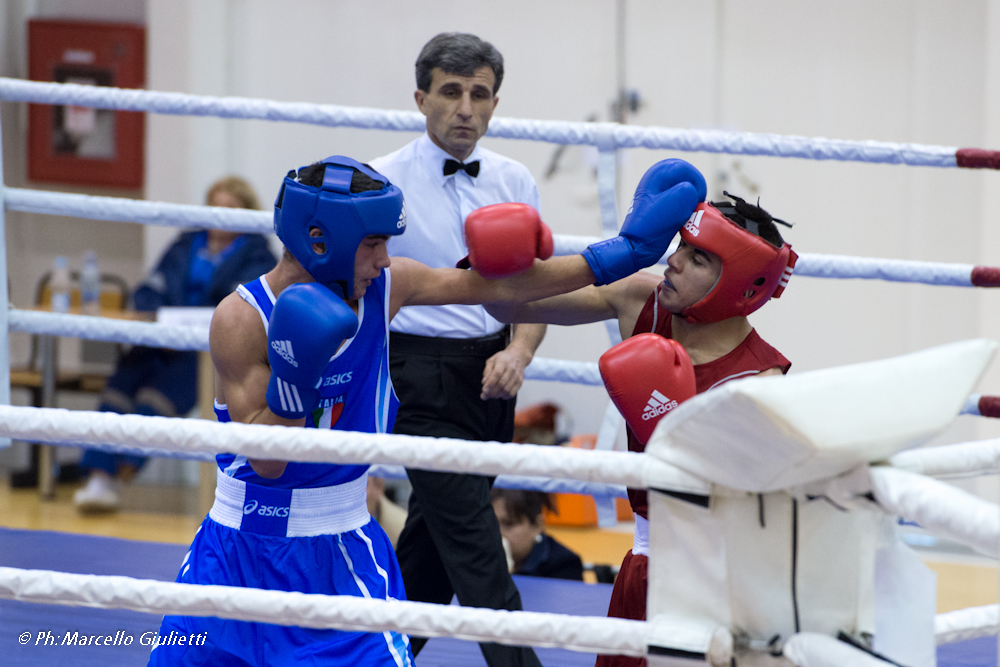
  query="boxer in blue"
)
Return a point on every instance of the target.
[{"x": 307, "y": 345}]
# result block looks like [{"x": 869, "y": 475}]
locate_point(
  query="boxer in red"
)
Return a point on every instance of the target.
[{"x": 730, "y": 262}]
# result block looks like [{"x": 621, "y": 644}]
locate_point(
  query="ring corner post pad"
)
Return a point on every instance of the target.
[
  {"x": 688, "y": 616},
  {"x": 792, "y": 429}
]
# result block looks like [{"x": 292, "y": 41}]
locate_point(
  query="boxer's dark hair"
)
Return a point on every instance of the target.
[
  {"x": 458, "y": 53},
  {"x": 523, "y": 504},
  {"x": 314, "y": 173},
  {"x": 752, "y": 218}
]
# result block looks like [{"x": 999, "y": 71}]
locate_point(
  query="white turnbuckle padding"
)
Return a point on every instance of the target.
[
  {"x": 765, "y": 434},
  {"x": 762, "y": 565}
]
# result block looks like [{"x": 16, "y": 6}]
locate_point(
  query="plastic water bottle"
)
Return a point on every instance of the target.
[
  {"x": 60, "y": 284},
  {"x": 90, "y": 284}
]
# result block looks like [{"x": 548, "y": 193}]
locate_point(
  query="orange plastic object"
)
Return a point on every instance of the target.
[
  {"x": 583, "y": 441},
  {"x": 624, "y": 509},
  {"x": 574, "y": 509}
]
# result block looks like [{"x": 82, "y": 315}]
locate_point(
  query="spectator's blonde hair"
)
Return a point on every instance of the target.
[{"x": 238, "y": 188}]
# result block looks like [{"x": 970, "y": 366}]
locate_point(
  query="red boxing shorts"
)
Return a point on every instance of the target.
[{"x": 628, "y": 600}]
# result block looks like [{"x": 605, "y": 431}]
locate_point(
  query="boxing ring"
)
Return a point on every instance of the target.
[{"x": 903, "y": 487}]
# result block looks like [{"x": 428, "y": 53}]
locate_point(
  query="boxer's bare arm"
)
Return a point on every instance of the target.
[
  {"x": 622, "y": 300},
  {"x": 238, "y": 345},
  {"x": 415, "y": 284}
]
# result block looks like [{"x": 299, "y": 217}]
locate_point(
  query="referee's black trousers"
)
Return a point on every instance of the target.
[{"x": 451, "y": 543}]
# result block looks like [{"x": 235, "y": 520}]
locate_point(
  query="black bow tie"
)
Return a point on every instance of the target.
[{"x": 451, "y": 166}]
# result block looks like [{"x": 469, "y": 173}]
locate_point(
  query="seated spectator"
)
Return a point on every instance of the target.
[
  {"x": 388, "y": 514},
  {"x": 199, "y": 269},
  {"x": 529, "y": 550}
]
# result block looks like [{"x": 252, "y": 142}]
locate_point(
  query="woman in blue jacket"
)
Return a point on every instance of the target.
[{"x": 199, "y": 269}]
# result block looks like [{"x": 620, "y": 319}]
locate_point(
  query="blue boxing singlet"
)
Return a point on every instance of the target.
[{"x": 356, "y": 392}]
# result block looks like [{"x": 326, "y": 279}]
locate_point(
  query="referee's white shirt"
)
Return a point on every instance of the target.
[{"x": 436, "y": 208}]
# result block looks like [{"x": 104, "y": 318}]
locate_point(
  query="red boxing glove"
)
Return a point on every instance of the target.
[
  {"x": 647, "y": 376},
  {"x": 505, "y": 239}
]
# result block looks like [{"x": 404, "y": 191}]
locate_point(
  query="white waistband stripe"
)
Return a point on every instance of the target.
[
  {"x": 322, "y": 511},
  {"x": 640, "y": 539}
]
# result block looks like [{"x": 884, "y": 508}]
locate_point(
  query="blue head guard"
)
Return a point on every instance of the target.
[{"x": 343, "y": 218}]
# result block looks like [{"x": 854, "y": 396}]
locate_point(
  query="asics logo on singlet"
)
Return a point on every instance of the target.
[
  {"x": 402, "y": 218},
  {"x": 340, "y": 378},
  {"x": 265, "y": 510},
  {"x": 284, "y": 348},
  {"x": 658, "y": 405},
  {"x": 693, "y": 225}
]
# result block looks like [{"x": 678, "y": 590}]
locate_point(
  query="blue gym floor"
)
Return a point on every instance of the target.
[{"x": 85, "y": 554}]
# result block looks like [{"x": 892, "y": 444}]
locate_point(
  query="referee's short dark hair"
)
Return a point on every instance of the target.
[{"x": 457, "y": 53}]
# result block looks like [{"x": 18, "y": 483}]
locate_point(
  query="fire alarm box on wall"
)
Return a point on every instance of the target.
[{"x": 71, "y": 144}]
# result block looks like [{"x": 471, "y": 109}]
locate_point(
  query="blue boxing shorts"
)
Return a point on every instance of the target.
[{"x": 307, "y": 540}]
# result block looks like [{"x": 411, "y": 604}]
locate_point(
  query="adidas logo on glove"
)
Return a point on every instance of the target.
[
  {"x": 658, "y": 405},
  {"x": 284, "y": 348},
  {"x": 693, "y": 225}
]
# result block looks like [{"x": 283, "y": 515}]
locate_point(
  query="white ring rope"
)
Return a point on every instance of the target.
[
  {"x": 561, "y": 370},
  {"x": 559, "y": 132},
  {"x": 963, "y": 624},
  {"x": 78, "y": 427},
  {"x": 181, "y": 104},
  {"x": 971, "y": 406},
  {"x": 175, "y": 337},
  {"x": 576, "y": 633},
  {"x": 240, "y": 220},
  {"x": 940, "y": 508},
  {"x": 530, "y": 483},
  {"x": 872, "y": 268},
  {"x": 546, "y": 484},
  {"x": 117, "y": 209},
  {"x": 151, "y": 334},
  {"x": 966, "y": 458}
]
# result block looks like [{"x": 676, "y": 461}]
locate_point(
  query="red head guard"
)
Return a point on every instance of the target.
[{"x": 753, "y": 270}]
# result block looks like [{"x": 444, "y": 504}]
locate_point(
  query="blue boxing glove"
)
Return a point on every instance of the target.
[
  {"x": 665, "y": 199},
  {"x": 307, "y": 325}
]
